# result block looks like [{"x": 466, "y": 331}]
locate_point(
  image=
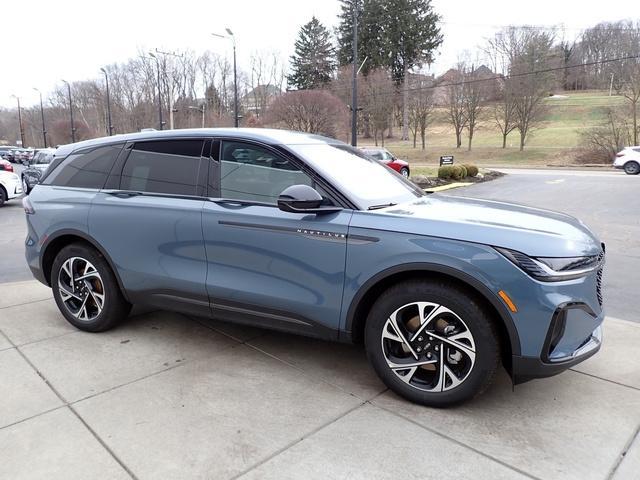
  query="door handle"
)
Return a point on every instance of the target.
[{"x": 124, "y": 194}]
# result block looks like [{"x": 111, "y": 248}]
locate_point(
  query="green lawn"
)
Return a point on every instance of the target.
[{"x": 552, "y": 142}]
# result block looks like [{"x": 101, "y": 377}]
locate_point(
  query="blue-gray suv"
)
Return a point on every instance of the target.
[{"x": 306, "y": 234}]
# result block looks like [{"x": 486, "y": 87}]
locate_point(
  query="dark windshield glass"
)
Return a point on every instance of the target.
[{"x": 365, "y": 180}]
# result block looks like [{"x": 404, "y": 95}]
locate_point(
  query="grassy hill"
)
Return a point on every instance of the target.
[{"x": 553, "y": 142}]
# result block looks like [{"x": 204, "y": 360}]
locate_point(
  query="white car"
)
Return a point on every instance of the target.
[
  {"x": 628, "y": 159},
  {"x": 10, "y": 186}
]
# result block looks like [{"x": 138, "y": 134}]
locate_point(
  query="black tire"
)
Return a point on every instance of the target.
[
  {"x": 114, "y": 309},
  {"x": 485, "y": 340},
  {"x": 404, "y": 171},
  {"x": 26, "y": 189},
  {"x": 3, "y": 196},
  {"x": 632, "y": 168}
]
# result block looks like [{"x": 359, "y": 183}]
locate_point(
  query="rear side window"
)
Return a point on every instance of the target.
[
  {"x": 168, "y": 166},
  {"x": 84, "y": 170}
]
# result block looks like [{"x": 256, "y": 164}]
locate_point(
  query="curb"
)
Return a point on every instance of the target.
[{"x": 449, "y": 186}]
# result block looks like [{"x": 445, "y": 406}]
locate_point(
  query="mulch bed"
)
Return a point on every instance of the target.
[{"x": 429, "y": 182}]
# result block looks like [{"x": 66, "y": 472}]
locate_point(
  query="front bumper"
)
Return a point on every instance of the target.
[{"x": 561, "y": 351}]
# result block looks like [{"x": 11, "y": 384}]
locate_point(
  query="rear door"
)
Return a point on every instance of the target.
[
  {"x": 149, "y": 220},
  {"x": 283, "y": 270}
]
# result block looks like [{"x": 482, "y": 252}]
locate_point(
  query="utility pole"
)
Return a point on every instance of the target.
[
  {"x": 109, "y": 124},
  {"x": 232, "y": 37},
  {"x": 611, "y": 85},
  {"x": 354, "y": 88},
  {"x": 160, "y": 122},
  {"x": 169, "y": 85},
  {"x": 21, "y": 128},
  {"x": 201, "y": 110},
  {"x": 44, "y": 128},
  {"x": 73, "y": 128}
]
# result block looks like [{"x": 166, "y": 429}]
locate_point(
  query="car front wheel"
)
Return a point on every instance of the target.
[
  {"x": 432, "y": 343},
  {"x": 86, "y": 290},
  {"x": 632, "y": 168}
]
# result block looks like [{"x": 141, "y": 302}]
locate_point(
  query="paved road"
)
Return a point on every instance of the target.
[{"x": 608, "y": 202}]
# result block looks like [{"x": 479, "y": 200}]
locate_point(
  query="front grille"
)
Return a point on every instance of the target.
[{"x": 599, "y": 279}]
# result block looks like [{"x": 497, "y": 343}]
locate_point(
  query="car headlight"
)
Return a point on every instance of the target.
[{"x": 554, "y": 269}]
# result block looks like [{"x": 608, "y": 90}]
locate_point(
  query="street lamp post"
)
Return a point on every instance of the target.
[
  {"x": 159, "y": 91},
  {"x": 232, "y": 37},
  {"x": 44, "y": 128},
  {"x": 20, "y": 121},
  {"x": 201, "y": 110},
  {"x": 73, "y": 128},
  {"x": 109, "y": 124}
]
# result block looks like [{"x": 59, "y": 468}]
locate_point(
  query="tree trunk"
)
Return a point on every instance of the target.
[
  {"x": 424, "y": 139},
  {"x": 504, "y": 140},
  {"x": 367, "y": 126},
  {"x": 635, "y": 123},
  {"x": 522, "y": 136},
  {"x": 405, "y": 105},
  {"x": 458, "y": 139},
  {"x": 470, "y": 139},
  {"x": 415, "y": 136}
]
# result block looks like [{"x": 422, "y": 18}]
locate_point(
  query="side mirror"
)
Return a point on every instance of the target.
[{"x": 303, "y": 199}]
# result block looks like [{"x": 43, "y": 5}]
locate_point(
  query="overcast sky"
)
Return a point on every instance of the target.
[{"x": 43, "y": 41}]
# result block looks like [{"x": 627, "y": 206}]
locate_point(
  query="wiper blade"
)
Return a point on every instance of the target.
[{"x": 384, "y": 205}]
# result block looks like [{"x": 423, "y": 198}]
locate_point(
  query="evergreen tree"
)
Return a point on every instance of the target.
[
  {"x": 312, "y": 64},
  {"x": 370, "y": 35}
]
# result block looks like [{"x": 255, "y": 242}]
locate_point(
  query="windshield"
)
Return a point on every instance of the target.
[{"x": 366, "y": 181}]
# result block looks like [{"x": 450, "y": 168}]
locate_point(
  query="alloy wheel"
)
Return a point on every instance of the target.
[
  {"x": 25, "y": 186},
  {"x": 81, "y": 289},
  {"x": 428, "y": 346},
  {"x": 632, "y": 168}
]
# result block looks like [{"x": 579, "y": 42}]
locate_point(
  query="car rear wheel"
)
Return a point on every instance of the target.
[
  {"x": 632, "y": 168},
  {"x": 404, "y": 171},
  {"x": 432, "y": 343},
  {"x": 86, "y": 290},
  {"x": 3, "y": 196}
]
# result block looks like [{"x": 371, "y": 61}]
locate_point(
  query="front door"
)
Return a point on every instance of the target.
[{"x": 282, "y": 269}]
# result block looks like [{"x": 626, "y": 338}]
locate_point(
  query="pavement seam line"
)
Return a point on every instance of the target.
[
  {"x": 301, "y": 439},
  {"x": 458, "y": 442},
  {"x": 623, "y": 454},
  {"x": 18, "y": 422},
  {"x": 33, "y": 342},
  {"x": 67, "y": 405},
  {"x": 26, "y": 303},
  {"x": 605, "y": 379}
]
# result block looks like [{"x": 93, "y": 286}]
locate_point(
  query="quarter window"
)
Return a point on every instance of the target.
[
  {"x": 168, "y": 166},
  {"x": 85, "y": 170},
  {"x": 253, "y": 173}
]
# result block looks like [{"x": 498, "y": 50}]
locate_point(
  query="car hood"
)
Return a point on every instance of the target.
[{"x": 535, "y": 232}]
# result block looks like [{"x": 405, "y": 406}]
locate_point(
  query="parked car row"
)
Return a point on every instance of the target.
[{"x": 16, "y": 154}]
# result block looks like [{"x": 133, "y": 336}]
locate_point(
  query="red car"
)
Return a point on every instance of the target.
[
  {"x": 5, "y": 165},
  {"x": 383, "y": 155}
]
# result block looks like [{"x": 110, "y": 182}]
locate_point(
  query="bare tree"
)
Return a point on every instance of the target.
[
  {"x": 379, "y": 91},
  {"x": 420, "y": 107},
  {"x": 313, "y": 111},
  {"x": 456, "y": 109},
  {"x": 627, "y": 73},
  {"x": 504, "y": 111},
  {"x": 474, "y": 92}
]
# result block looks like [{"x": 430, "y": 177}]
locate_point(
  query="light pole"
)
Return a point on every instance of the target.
[
  {"x": 44, "y": 128},
  {"x": 159, "y": 91},
  {"x": 106, "y": 81},
  {"x": 20, "y": 121},
  {"x": 201, "y": 110},
  {"x": 354, "y": 88},
  {"x": 73, "y": 128},
  {"x": 232, "y": 37}
]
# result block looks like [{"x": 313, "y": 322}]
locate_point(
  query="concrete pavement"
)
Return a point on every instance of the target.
[{"x": 166, "y": 396}]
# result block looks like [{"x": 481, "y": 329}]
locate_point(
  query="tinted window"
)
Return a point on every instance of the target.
[
  {"x": 377, "y": 154},
  {"x": 169, "y": 166},
  {"x": 250, "y": 172},
  {"x": 85, "y": 170}
]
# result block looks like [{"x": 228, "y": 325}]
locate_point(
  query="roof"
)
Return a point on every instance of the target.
[{"x": 265, "y": 135}]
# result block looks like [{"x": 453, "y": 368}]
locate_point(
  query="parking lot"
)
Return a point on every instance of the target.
[{"x": 169, "y": 396}]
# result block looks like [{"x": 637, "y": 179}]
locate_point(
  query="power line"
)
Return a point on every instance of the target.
[{"x": 506, "y": 77}]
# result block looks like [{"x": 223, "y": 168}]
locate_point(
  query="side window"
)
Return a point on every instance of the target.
[
  {"x": 250, "y": 172},
  {"x": 375, "y": 154},
  {"x": 167, "y": 166},
  {"x": 85, "y": 170}
]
